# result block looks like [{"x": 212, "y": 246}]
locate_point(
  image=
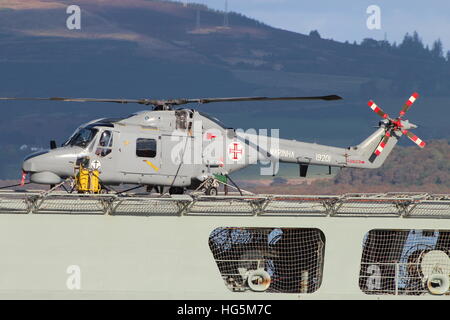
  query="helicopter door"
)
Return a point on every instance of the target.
[
  {"x": 106, "y": 154},
  {"x": 178, "y": 158},
  {"x": 178, "y": 150},
  {"x": 140, "y": 156}
]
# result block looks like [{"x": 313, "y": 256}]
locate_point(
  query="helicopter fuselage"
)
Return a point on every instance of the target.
[{"x": 182, "y": 148}]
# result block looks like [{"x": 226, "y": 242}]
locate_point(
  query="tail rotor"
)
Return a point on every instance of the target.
[{"x": 397, "y": 124}]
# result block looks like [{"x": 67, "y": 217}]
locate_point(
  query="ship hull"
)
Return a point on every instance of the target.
[{"x": 167, "y": 257}]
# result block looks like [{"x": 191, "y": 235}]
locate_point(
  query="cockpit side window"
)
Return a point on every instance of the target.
[
  {"x": 104, "y": 144},
  {"x": 105, "y": 139}
]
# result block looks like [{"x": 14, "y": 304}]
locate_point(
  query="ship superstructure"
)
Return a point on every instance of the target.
[{"x": 363, "y": 246}]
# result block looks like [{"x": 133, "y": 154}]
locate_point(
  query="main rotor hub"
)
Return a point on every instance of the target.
[
  {"x": 398, "y": 124},
  {"x": 162, "y": 107}
]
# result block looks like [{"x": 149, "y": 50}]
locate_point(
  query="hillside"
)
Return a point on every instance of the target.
[{"x": 168, "y": 30}]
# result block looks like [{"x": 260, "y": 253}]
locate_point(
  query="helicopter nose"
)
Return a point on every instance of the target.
[
  {"x": 31, "y": 163},
  {"x": 35, "y": 164},
  {"x": 47, "y": 167}
]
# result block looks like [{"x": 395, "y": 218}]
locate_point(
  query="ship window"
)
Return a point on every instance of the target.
[
  {"x": 403, "y": 262},
  {"x": 146, "y": 148},
  {"x": 281, "y": 260}
]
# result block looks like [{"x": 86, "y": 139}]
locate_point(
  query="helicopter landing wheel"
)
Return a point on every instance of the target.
[
  {"x": 211, "y": 191},
  {"x": 176, "y": 190}
]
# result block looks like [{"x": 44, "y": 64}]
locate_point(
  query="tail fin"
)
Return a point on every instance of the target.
[{"x": 365, "y": 150}]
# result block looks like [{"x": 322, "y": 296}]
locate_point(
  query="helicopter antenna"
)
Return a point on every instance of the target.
[
  {"x": 198, "y": 23},
  {"x": 168, "y": 104},
  {"x": 225, "y": 18}
]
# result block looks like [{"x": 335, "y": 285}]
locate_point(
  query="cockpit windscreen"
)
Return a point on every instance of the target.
[{"x": 82, "y": 137}]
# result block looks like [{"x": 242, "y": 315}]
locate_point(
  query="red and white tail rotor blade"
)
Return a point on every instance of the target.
[
  {"x": 382, "y": 144},
  {"x": 377, "y": 110},
  {"x": 409, "y": 103},
  {"x": 414, "y": 138}
]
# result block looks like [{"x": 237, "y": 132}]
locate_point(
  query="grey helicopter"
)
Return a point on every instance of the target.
[{"x": 184, "y": 149}]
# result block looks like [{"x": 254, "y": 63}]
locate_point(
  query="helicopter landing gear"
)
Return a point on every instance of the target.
[
  {"x": 176, "y": 190},
  {"x": 211, "y": 191},
  {"x": 210, "y": 187},
  {"x": 157, "y": 189}
]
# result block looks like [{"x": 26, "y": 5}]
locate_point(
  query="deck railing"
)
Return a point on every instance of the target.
[{"x": 405, "y": 205}]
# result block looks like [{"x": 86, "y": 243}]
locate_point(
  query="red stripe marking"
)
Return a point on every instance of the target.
[
  {"x": 376, "y": 109},
  {"x": 373, "y": 106},
  {"x": 412, "y": 99},
  {"x": 210, "y": 136}
]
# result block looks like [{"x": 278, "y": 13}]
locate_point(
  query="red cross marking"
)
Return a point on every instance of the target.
[{"x": 235, "y": 151}]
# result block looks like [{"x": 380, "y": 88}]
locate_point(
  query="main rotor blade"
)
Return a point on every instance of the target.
[
  {"x": 409, "y": 103},
  {"x": 177, "y": 101},
  {"x": 210, "y": 100},
  {"x": 377, "y": 109},
  {"x": 141, "y": 101},
  {"x": 414, "y": 138}
]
